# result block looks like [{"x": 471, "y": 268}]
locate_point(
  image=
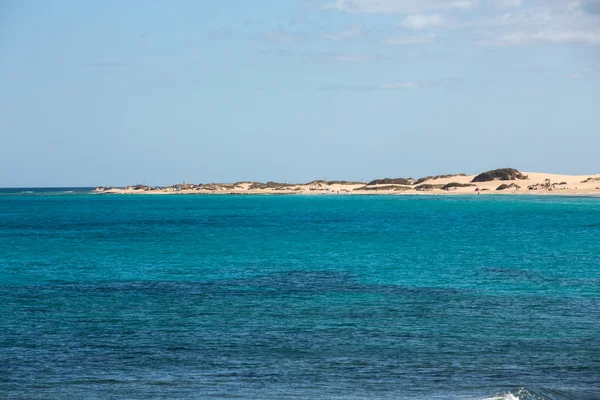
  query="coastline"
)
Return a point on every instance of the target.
[{"x": 504, "y": 181}]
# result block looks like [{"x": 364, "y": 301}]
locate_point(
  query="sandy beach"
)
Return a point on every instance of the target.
[{"x": 501, "y": 181}]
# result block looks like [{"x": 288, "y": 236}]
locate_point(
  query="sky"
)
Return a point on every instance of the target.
[{"x": 158, "y": 92}]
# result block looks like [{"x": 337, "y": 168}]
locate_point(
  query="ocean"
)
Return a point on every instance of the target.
[{"x": 298, "y": 297}]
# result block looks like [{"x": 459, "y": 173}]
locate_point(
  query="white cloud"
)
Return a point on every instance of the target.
[
  {"x": 549, "y": 36},
  {"x": 497, "y": 22},
  {"x": 536, "y": 22},
  {"x": 397, "y": 6},
  {"x": 407, "y": 40},
  {"x": 422, "y": 21}
]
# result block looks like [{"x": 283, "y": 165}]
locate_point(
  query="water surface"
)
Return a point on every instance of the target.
[{"x": 299, "y": 297}]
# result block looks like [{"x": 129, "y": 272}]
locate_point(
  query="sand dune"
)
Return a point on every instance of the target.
[{"x": 527, "y": 183}]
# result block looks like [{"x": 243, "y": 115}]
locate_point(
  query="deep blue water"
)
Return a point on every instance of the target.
[{"x": 298, "y": 297}]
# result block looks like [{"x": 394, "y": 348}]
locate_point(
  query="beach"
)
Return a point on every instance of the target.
[{"x": 529, "y": 183}]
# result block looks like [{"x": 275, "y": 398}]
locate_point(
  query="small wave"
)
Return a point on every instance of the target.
[
  {"x": 27, "y": 191},
  {"x": 542, "y": 394},
  {"x": 68, "y": 191},
  {"x": 506, "y": 396}
]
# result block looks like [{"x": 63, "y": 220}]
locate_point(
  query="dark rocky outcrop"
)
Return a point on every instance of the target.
[{"x": 503, "y": 174}]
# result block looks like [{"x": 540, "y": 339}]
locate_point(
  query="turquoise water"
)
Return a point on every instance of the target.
[{"x": 298, "y": 297}]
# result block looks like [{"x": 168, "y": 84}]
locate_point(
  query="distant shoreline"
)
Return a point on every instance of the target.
[
  {"x": 500, "y": 181},
  {"x": 355, "y": 194}
]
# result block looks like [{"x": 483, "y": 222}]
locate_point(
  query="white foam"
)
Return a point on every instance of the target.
[{"x": 505, "y": 396}]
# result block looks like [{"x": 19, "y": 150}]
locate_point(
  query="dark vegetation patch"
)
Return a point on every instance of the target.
[
  {"x": 387, "y": 187},
  {"x": 232, "y": 186},
  {"x": 504, "y": 186},
  {"x": 208, "y": 186},
  {"x": 269, "y": 185},
  {"x": 317, "y": 185},
  {"x": 541, "y": 186},
  {"x": 392, "y": 181},
  {"x": 140, "y": 187},
  {"x": 456, "y": 185},
  {"x": 427, "y": 186},
  {"x": 503, "y": 174},
  {"x": 431, "y": 177},
  {"x": 290, "y": 187},
  {"x": 592, "y": 179},
  {"x": 343, "y": 183},
  {"x": 537, "y": 186}
]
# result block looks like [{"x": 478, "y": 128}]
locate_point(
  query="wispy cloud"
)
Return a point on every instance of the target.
[
  {"x": 539, "y": 22},
  {"x": 506, "y": 4},
  {"x": 497, "y": 22},
  {"x": 325, "y": 56},
  {"x": 397, "y": 6},
  {"x": 422, "y": 21},
  {"x": 394, "y": 86},
  {"x": 346, "y": 34},
  {"x": 222, "y": 33},
  {"x": 408, "y": 40},
  {"x": 399, "y": 85},
  {"x": 360, "y": 88},
  {"x": 276, "y": 52},
  {"x": 547, "y": 37},
  {"x": 279, "y": 37},
  {"x": 586, "y": 73},
  {"x": 349, "y": 57}
]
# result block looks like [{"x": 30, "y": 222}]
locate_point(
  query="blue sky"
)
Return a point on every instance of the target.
[{"x": 124, "y": 92}]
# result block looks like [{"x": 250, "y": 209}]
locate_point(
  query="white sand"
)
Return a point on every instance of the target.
[{"x": 548, "y": 184}]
